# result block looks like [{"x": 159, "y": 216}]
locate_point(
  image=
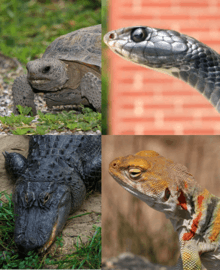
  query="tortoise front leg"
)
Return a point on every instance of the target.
[
  {"x": 91, "y": 87},
  {"x": 23, "y": 94},
  {"x": 65, "y": 97}
]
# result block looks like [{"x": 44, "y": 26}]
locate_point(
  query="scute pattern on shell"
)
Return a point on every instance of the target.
[{"x": 83, "y": 45}]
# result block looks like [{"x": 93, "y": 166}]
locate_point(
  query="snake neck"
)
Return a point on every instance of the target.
[{"x": 202, "y": 71}]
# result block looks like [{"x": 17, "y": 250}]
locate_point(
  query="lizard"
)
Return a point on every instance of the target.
[{"x": 168, "y": 187}]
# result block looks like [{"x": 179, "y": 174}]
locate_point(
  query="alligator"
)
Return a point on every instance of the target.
[{"x": 51, "y": 183}]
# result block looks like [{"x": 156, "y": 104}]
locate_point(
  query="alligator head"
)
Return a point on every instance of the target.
[
  {"x": 44, "y": 195},
  {"x": 41, "y": 210}
]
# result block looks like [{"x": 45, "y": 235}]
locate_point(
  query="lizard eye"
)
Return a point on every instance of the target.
[
  {"x": 134, "y": 173},
  {"x": 166, "y": 194}
]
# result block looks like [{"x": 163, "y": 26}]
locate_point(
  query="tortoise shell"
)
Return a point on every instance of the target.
[{"x": 83, "y": 45}]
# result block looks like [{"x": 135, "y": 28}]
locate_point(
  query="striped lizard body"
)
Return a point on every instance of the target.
[{"x": 169, "y": 188}]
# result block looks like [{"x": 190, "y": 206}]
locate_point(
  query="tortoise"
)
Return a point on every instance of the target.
[{"x": 69, "y": 72}]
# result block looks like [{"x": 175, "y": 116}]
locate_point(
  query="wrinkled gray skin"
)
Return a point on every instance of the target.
[
  {"x": 69, "y": 72},
  {"x": 173, "y": 53},
  {"x": 51, "y": 184}
]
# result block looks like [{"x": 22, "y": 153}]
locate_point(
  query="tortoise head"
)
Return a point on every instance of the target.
[{"x": 47, "y": 74}]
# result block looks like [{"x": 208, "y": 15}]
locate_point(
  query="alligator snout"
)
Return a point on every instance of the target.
[{"x": 26, "y": 245}]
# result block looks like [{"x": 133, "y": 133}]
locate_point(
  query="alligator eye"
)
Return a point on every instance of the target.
[
  {"x": 26, "y": 198},
  {"x": 46, "y": 69},
  {"x": 134, "y": 173},
  {"x": 138, "y": 35},
  {"x": 46, "y": 198}
]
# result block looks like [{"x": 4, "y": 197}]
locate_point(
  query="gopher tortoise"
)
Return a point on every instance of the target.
[{"x": 69, "y": 72}]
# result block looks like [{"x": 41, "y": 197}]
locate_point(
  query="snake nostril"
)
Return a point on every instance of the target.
[
  {"x": 112, "y": 36},
  {"x": 114, "y": 164}
]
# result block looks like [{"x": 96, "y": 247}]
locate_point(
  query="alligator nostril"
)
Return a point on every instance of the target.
[{"x": 46, "y": 69}]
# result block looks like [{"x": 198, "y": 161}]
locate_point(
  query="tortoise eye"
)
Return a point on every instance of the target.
[
  {"x": 134, "y": 173},
  {"x": 46, "y": 69}
]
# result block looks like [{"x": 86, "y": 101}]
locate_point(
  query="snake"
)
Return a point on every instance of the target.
[{"x": 173, "y": 53}]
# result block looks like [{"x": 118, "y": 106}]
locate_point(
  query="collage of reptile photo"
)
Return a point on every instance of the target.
[{"x": 110, "y": 134}]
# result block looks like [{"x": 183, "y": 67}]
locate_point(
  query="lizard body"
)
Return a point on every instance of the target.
[{"x": 169, "y": 188}]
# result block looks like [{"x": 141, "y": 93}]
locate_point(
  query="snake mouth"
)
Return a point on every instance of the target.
[{"x": 119, "y": 53}]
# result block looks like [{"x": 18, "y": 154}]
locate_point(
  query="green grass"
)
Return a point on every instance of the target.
[
  {"x": 86, "y": 256},
  {"x": 21, "y": 124},
  {"x": 27, "y": 27}
]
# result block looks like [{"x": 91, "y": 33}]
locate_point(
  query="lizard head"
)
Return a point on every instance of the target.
[{"x": 156, "y": 180}]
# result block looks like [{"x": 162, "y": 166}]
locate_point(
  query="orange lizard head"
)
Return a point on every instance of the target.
[{"x": 152, "y": 178}]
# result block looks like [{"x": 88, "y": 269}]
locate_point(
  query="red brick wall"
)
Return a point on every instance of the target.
[{"x": 143, "y": 101}]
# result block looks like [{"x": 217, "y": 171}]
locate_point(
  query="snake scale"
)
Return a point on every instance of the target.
[{"x": 173, "y": 53}]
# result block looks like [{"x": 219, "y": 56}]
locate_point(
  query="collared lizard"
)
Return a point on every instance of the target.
[{"x": 168, "y": 187}]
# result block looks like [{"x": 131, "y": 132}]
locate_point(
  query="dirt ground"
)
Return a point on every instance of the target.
[{"x": 80, "y": 226}]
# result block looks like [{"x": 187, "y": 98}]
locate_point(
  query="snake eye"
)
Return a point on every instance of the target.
[
  {"x": 134, "y": 173},
  {"x": 46, "y": 69},
  {"x": 138, "y": 35}
]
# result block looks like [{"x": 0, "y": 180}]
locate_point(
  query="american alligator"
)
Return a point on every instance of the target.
[{"x": 51, "y": 184}]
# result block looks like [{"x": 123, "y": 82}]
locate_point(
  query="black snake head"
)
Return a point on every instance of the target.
[
  {"x": 151, "y": 47},
  {"x": 170, "y": 52}
]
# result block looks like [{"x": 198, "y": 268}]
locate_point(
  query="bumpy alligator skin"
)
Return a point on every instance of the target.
[{"x": 50, "y": 184}]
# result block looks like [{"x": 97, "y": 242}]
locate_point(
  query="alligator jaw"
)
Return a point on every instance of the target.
[{"x": 51, "y": 239}]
